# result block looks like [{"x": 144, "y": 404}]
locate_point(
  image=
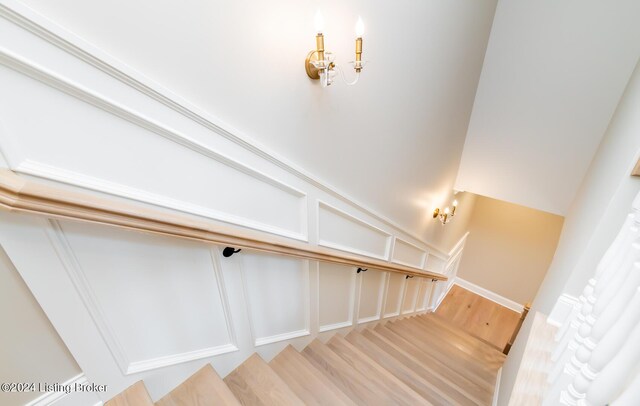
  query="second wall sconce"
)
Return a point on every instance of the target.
[
  {"x": 446, "y": 215},
  {"x": 320, "y": 64}
]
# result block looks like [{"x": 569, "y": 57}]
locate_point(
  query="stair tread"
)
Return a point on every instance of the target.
[
  {"x": 442, "y": 321},
  {"x": 352, "y": 382},
  {"x": 396, "y": 391},
  {"x": 446, "y": 368},
  {"x": 134, "y": 395},
  {"x": 255, "y": 383},
  {"x": 446, "y": 353},
  {"x": 417, "y": 381},
  {"x": 310, "y": 384},
  {"x": 469, "y": 344},
  {"x": 203, "y": 388}
]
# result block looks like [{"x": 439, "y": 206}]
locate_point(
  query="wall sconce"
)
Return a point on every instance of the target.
[
  {"x": 319, "y": 63},
  {"x": 446, "y": 215}
]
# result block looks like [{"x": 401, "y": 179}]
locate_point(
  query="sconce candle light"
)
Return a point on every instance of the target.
[
  {"x": 447, "y": 214},
  {"x": 319, "y": 63}
]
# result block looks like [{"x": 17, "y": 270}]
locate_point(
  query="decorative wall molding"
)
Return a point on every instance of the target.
[
  {"x": 400, "y": 300},
  {"x": 379, "y": 303},
  {"x": 336, "y": 326},
  {"x": 269, "y": 339},
  {"x": 355, "y": 286},
  {"x": 424, "y": 254},
  {"x": 49, "y": 172},
  {"x": 487, "y": 294},
  {"x": 23, "y": 195},
  {"x": 441, "y": 297},
  {"x": 281, "y": 337},
  {"x": 24, "y": 17},
  {"x": 348, "y": 218},
  {"x": 562, "y": 310},
  {"x": 74, "y": 270}
]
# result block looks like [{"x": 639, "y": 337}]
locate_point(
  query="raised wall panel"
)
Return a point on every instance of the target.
[
  {"x": 139, "y": 159},
  {"x": 408, "y": 254},
  {"x": 410, "y": 295},
  {"x": 277, "y": 296},
  {"x": 336, "y": 295},
  {"x": 423, "y": 294},
  {"x": 371, "y": 295},
  {"x": 395, "y": 289},
  {"x": 344, "y": 232},
  {"x": 158, "y": 301},
  {"x": 436, "y": 264}
]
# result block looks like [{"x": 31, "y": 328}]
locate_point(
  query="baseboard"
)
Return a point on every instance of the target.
[
  {"x": 487, "y": 294},
  {"x": 49, "y": 398},
  {"x": 562, "y": 309}
]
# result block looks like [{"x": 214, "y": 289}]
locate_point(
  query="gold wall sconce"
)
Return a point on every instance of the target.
[
  {"x": 446, "y": 215},
  {"x": 320, "y": 64}
]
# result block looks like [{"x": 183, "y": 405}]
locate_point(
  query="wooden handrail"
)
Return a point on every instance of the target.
[{"x": 25, "y": 195}]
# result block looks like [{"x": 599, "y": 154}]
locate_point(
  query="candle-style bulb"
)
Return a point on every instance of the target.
[
  {"x": 319, "y": 22},
  {"x": 446, "y": 210},
  {"x": 455, "y": 203},
  {"x": 359, "y": 28}
]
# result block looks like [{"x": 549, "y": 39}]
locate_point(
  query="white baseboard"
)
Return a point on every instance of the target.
[
  {"x": 487, "y": 294},
  {"x": 49, "y": 398},
  {"x": 562, "y": 310}
]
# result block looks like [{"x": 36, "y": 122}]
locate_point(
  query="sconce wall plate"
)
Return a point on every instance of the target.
[
  {"x": 319, "y": 63},
  {"x": 312, "y": 71}
]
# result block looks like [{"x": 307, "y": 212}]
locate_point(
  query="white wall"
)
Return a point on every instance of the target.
[
  {"x": 551, "y": 79},
  {"x": 509, "y": 248},
  {"x": 30, "y": 350},
  {"x": 399, "y": 130},
  {"x": 595, "y": 216},
  {"x": 134, "y": 306}
]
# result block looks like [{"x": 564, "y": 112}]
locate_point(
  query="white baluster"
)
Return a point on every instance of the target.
[
  {"x": 566, "y": 333},
  {"x": 609, "y": 384},
  {"x": 615, "y": 283},
  {"x": 631, "y": 395},
  {"x": 610, "y": 274},
  {"x": 612, "y": 338}
]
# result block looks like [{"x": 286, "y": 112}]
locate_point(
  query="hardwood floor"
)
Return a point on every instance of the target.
[{"x": 478, "y": 316}]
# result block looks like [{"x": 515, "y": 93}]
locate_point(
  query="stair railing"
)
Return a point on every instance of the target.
[
  {"x": 29, "y": 196},
  {"x": 597, "y": 351}
]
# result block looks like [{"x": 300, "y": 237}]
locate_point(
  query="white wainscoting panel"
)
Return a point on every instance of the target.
[
  {"x": 405, "y": 253},
  {"x": 205, "y": 182},
  {"x": 277, "y": 296},
  {"x": 410, "y": 295},
  {"x": 422, "y": 302},
  {"x": 395, "y": 291},
  {"x": 157, "y": 301},
  {"x": 337, "y": 286},
  {"x": 435, "y": 263},
  {"x": 339, "y": 230},
  {"x": 372, "y": 285}
]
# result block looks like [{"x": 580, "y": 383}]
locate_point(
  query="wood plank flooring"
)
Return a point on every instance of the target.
[
  {"x": 419, "y": 360},
  {"x": 478, "y": 316}
]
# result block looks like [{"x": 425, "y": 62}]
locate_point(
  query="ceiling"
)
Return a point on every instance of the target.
[
  {"x": 552, "y": 78},
  {"x": 394, "y": 141}
]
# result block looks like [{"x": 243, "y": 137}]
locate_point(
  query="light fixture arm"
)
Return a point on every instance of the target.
[{"x": 319, "y": 63}]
